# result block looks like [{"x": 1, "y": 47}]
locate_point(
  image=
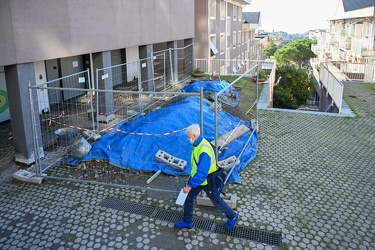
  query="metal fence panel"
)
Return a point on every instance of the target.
[{"x": 66, "y": 123}]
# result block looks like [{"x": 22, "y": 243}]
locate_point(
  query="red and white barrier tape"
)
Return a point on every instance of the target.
[{"x": 119, "y": 130}]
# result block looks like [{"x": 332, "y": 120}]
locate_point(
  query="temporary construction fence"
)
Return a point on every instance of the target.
[
  {"x": 71, "y": 130},
  {"x": 158, "y": 73},
  {"x": 216, "y": 68}
]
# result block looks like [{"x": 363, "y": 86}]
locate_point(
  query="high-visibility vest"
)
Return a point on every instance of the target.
[{"x": 203, "y": 147}]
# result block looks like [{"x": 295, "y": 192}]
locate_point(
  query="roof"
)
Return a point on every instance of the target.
[
  {"x": 350, "y": 5},
  {"x": 251, "y": 17}
]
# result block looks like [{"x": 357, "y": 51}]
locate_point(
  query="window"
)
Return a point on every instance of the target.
[
  {"x": 213, "y": 9},
  {"x": 235, "y": 9},
  {"x": 239, "y": 18},
  {"x": 222, "y": 9},
  {"x": 234, "y": 39},
  {"x": 239, "y": 38},
  {"x": 366, "y": 29},
  {"x": 228, "y": 26},
  {"x": 213, "y": 49},
  {"x": 228, "y": 54},
  {"x": 238, "y": 60},
  {"x": 222, "y": 43}
]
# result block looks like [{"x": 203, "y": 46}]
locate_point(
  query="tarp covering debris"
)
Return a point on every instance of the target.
[
  {"x": 229, "y": 95},
  {"x": 133, "y": 145}
]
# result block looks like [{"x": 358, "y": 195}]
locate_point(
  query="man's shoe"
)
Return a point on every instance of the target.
[
  {"x": 182, "y": 224},
  {"x": 231, "y": 223}
]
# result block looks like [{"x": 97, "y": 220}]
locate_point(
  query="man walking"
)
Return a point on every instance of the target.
[{"x": 203, "y": 162}]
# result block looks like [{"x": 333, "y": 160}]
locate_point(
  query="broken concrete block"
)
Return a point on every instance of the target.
[
  {"x": 26, "y": 176},
  {"x": 106, "y": 118},
  {"x": 170, "y": 160},
  {"x": 132, "y": 112},
  {"x": 231, "y": 199},
  {"x": 89, "y": 135},
  {"x": 228, "y": 163},
  {"x": 80, "y": 149},
  {"x": 231, "y": 136}
]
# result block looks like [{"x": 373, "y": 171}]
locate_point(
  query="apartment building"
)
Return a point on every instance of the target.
[
  {"x": 223, "y": 32},
  {"x": 254, "y": 42},
  {"x": 42, "y": 40},
  {"x": 349, "y": 44}
]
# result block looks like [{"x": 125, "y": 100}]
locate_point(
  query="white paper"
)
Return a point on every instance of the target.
[
  {"x": 81, "y": 79},
  {"x": 181, "y": 198}
]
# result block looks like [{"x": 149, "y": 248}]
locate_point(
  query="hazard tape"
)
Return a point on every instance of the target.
[
  {"x": 119, "y": 130},
  {"x": 142, "y": 134},
  {"x": 70, "y": 126}
]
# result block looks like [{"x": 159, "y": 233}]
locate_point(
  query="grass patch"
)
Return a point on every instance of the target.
[{"x": 285, "y": 246}]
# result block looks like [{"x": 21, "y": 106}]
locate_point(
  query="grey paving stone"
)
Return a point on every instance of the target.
[{"x": 311, "y": 179}]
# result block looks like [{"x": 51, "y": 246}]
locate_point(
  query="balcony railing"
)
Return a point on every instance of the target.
[
  {"x": 316, "y": 48},
  {"x": 333, "y": 85},
  {"x": 362, "y": 45},
  {"x": 345, "y": 42},
  {"x": 333, "y": 38}
]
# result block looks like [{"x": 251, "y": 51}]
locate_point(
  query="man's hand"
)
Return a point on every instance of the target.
[{"x": 186, "y": 189}]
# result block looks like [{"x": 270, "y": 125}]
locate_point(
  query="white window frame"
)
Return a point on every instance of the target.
[
  {"x": 234, "y": 39},
  {"x": 222, "y": 9},
  {"x": 212, "y": 9},
  {"x": 222, "y": 43},
  {"x": 228, "y": 25},
  {"x": 213, "y": 48},
  {"x": 239, "y": 39}
]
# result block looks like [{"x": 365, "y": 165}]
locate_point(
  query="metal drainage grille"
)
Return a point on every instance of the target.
[{"x": 247, "y": 233}]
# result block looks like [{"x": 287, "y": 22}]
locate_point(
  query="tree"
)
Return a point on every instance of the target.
[
  {"x": 296, "y": 52},
  {"x": 294, "y": 89},
  {"x": 270, "y": 50}
]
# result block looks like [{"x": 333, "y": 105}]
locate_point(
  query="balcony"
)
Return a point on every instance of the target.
[
  {"x": 363, "y": 47},
  {"x": 333, "y": 39},
  {"x": 250, "y": 26},
  {"x": 316, "y": 48},
  {"x": 345, "y": 42}
]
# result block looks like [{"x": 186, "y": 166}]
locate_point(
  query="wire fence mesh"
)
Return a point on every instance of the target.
[{"x": 73, "y": 123}]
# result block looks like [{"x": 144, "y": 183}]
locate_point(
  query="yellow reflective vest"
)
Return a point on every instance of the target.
[{"x": 203, "y": 147}]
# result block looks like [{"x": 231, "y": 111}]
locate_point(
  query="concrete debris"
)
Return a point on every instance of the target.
[
  {"x": 170, "y": 160},
  {"x": 26, "y": 176}
]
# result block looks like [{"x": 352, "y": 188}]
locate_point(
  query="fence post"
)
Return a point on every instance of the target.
[
  {"x": 201, "y": 110},
  {"x": 38, "y": 170}
]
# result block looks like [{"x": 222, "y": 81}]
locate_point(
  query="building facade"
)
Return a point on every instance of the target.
[
  {"x": 44, "y": 40},
  {"x": 222, "y": 33},
  {"x": 349, "y": 42}
]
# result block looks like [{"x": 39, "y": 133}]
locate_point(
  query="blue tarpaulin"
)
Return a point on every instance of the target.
[
  {"x": 133, "y": 145},
  {"x": 229, "y": 95}
]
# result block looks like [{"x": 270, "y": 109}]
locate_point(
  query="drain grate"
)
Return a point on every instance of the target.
[{"x": 247, "y": 233}]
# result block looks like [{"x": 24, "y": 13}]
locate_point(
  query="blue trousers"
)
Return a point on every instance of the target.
[{"x": 216, "y": 199}]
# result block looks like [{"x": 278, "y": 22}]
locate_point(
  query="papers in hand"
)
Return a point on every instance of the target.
[{"x": 181, "y": 198}]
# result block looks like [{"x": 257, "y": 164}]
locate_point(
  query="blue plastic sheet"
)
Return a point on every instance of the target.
[
  {"x": 228, "y": 96},
  {"x": 135, "y": 146}
]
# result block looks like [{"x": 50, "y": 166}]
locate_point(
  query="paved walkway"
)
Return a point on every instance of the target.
[{"x": 312, "y": 179}]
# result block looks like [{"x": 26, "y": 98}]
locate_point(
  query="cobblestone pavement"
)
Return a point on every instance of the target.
[{"x": 313, "y": 179}]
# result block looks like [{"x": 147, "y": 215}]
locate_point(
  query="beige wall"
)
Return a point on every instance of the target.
[
  {"x": 34, "y": 30},
  {"x": 205, "y": 26},
  {"x": 201, "y": 47}
]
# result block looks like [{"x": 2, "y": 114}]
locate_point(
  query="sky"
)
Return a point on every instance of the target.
[{"x": 293, "y": 16}]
